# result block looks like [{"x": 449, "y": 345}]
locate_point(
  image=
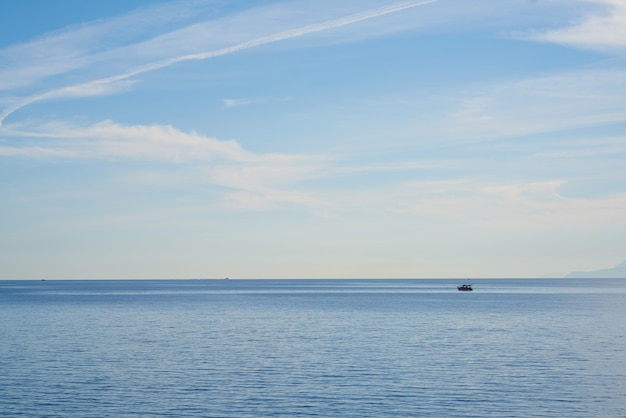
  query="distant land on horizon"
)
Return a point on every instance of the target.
[{"x": 617, "y": 272}]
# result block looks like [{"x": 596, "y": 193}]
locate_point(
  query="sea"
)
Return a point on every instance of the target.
[{"x": 313, "y": 348}]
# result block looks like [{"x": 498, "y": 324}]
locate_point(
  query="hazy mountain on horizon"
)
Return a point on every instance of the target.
[{"x": 617, "y": 272}]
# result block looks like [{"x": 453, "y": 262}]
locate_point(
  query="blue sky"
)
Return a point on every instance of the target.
[{"x": 287, "y": 139}]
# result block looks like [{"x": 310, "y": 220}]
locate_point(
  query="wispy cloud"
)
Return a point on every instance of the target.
[
  {"x": 237, "y": 102},
  {"x": 253, "y": 101},
  {"x": 106, "y": 84},
  {"x": 540, "y": 104},
  {"x": 108, "y": 139},
  {"x": 550, "y": 103},
  {"x": 88, "y": 44},
  {"x": 602, "y": 30},
  {"x": 253, "y": 178}
]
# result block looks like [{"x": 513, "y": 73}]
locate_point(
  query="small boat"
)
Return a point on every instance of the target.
[{"x": 465, "y": 288}]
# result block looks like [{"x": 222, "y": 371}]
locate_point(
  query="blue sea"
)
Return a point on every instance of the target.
[{"x": 323, "y": 348}]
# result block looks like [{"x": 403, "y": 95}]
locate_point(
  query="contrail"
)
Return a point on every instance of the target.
[{"x": 277, "y": 37}]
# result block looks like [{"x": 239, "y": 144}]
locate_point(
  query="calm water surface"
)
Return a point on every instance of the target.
[{"x": 344, "y": 348}]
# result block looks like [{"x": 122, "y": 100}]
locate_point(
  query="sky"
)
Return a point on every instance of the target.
[{"x": 311, "y": 139}]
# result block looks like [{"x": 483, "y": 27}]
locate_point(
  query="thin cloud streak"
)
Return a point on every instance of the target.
[
  {"x": 81, "y": 45},
  {"x": 103, "y": 85}
]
